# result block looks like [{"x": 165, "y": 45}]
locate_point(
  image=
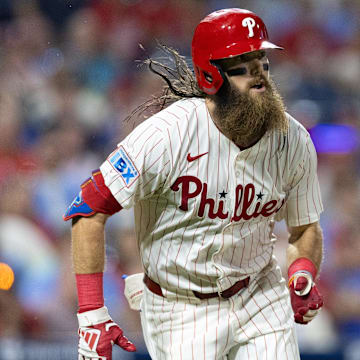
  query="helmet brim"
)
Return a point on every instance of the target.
[{"x": 237, "y": 49}]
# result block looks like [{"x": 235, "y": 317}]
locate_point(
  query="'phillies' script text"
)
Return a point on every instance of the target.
[{"x": 244, "y": 199}]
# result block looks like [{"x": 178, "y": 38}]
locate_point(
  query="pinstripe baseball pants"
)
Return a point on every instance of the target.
[{"x": 256, "y": 323}]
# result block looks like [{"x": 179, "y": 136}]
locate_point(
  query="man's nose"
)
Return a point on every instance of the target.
[{"x": 256, "y": 68}]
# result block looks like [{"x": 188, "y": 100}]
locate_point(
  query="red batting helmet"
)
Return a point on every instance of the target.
[{"x": 223, "y": 34}]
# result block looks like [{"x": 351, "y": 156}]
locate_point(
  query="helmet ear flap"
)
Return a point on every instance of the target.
[
  {"x": 211, "y": 80},
  {"x": 219, "y": 69},
  {"x": 208, "y": 77}
]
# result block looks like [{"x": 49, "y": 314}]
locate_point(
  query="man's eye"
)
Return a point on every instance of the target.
[
  {"x": 238, "y": 71},
  {"x": 266, "y": 67}
]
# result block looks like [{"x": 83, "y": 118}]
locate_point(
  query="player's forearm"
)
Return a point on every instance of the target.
[
  {"x": 88, "y": 244},
  {"x": 306, "y": 241}
]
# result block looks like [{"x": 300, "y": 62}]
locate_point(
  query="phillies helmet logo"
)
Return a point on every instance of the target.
[{"x": 249, "y": 22}]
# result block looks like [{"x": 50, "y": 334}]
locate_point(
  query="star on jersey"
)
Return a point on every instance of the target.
[
  {"x": 223, "y": 194},
  {"x": 260, "y": 195}
]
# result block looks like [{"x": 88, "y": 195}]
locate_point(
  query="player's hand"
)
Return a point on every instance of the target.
[
  {"x": 306, "y": 299},
  {"x": 97, "y": 335}
]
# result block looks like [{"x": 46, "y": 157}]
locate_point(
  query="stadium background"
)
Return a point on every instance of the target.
[{"x": 69, "y": 77}]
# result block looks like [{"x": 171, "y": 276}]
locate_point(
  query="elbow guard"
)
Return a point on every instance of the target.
[{"x": 94, "y": 197}]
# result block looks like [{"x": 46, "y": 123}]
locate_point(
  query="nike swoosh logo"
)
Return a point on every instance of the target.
[{"x": 192, "y": 158}]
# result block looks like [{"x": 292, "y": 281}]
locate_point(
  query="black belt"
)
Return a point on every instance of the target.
[{"x": 231, "y": 291}]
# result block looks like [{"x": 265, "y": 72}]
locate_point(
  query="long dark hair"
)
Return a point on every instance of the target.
[{"x": 180, "y": 82}]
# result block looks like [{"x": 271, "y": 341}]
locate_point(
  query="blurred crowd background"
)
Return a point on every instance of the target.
[{"x": 70, "y": 73}]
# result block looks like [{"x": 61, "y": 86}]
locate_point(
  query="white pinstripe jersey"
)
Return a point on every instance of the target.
[{"x": 204, "y": 222}]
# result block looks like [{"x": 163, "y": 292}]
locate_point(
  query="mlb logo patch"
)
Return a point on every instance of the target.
[{"x": 124, "y": 166}]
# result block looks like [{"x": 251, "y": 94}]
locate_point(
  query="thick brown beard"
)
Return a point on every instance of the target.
[{"x": 245, "y": 118}]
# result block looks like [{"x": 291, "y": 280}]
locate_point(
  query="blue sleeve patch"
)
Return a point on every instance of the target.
[
  {"x": 123, "y": 165},
  {"x": 78, "y": 208}
]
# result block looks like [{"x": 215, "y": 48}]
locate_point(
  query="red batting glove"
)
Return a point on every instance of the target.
[
  {"x": 305, "y": 306},
  {"x": 306, "y": 299},
  {"x": 97, "y": 335}
]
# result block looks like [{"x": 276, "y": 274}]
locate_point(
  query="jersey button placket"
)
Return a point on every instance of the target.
[
  {"x": 216, "y": 257},
  {"x": 235, "y": 180},
  {"x": 237, "y": 166}
]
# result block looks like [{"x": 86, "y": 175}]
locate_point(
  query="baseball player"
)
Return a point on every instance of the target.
[{"x": 208, "y": 176}]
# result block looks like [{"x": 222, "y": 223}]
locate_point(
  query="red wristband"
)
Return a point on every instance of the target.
[
  {"x": 302, "y": 264},
  {"x": 90, "y": 291}
]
